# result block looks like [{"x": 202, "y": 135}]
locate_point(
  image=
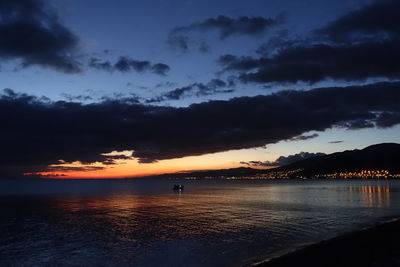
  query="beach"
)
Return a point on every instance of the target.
[{"x": 377, "y": 246}]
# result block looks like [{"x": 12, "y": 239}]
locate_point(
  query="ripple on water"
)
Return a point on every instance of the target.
[{"x": 213, "y": 223}]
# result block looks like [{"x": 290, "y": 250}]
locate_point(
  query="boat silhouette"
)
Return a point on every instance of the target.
[{"x": 178, "y": 187}]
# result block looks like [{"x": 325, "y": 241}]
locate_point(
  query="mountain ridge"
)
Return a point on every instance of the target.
[{"x": 384, "y": 156}]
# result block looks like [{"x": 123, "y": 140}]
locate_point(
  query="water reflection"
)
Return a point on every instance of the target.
[
  {"x": 229, "y": 222},
  {"x": 159, "y": 217},
  {"x": 372, "y": 195}
]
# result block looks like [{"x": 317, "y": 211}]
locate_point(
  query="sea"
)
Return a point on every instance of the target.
[{"x": 143, "y": 222}]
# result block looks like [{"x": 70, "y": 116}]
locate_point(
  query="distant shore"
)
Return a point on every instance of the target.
[{"x": 377, "y": 246}]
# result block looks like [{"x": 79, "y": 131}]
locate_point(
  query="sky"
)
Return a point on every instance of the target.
[{"x": 100, "y": 89}]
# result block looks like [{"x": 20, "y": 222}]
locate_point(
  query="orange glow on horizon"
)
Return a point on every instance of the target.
[{"x": 132, "y": 168}]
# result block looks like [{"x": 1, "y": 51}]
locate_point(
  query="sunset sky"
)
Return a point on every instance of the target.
[{"x": 99, "y": 88}]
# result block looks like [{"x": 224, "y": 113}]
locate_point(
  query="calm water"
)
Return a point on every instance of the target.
[{"x": 213, "y": 223}]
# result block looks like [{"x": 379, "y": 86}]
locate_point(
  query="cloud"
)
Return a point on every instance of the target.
[
  {"x": 304, "y": 137},
  {"x": 380, "y": 19},
  {"x": 282, "y": 160},
  {"x": 196, "y": 89},
  {"x": 87, "y": 168},
  {"x": 38, "y": 132},
  {"x": 388, "y": 119},
  {"x": 99, "y": 64},
  {"x": 125, "y": 64},
  {"x": 319, "y": 62},
  {"x": 81, "y": 98},
  {"x": 225, "y": 26},
  {"x": 160, "y": 69},
  {"x": 336, "y": 142},
  {"x": 179, "y": 42},
  {"x": 359, "y": 45},
  {"x": 32, "y": 32}
]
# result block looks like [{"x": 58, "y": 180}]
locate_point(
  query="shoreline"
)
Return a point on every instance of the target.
[{"x": 375, "y": 246}]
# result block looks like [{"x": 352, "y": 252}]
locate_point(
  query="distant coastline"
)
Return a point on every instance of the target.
[{"x": 378, "y": 161}]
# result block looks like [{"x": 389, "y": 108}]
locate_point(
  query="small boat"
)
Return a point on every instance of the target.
[{"x": 178, "y": 187}]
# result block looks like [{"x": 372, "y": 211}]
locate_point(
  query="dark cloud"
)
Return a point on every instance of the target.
[
  {"x": 32, "y": 32},
  {"x": 130, "y": 98},
  {"x": 319, "y": 62},
  {"x": 160, "y": 69},
  {"x": 388, "y": 119},
  {"x": 92, "y": 96},
  {"x": 87, "y": 168},
  {"x": 196, "y": 89},
  {"x": 282, "y": 160},
  {"x": 80, "y": 98},
  {"x": 179, "y": 42},
  {"x": 360, "y": 45},
  {"x": 36, "y": 133},
  {"x": 125, "y": 64},
  {"x": 254, "y": 163},
  {"x": 97, "y": 63},
  {"x": 225, "y": 26},
  {"x": 380, "y": 19},
  {"x": 304, "y": 137},
  {"x": 360, "y": 123},
  {"x": 112, "y": 159},
  {"x": 336, "y": 142}
]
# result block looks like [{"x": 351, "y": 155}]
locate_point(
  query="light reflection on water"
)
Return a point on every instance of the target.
[
  {"x": 212, "y": 223},
  {"x": 372, "y": 195}
]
